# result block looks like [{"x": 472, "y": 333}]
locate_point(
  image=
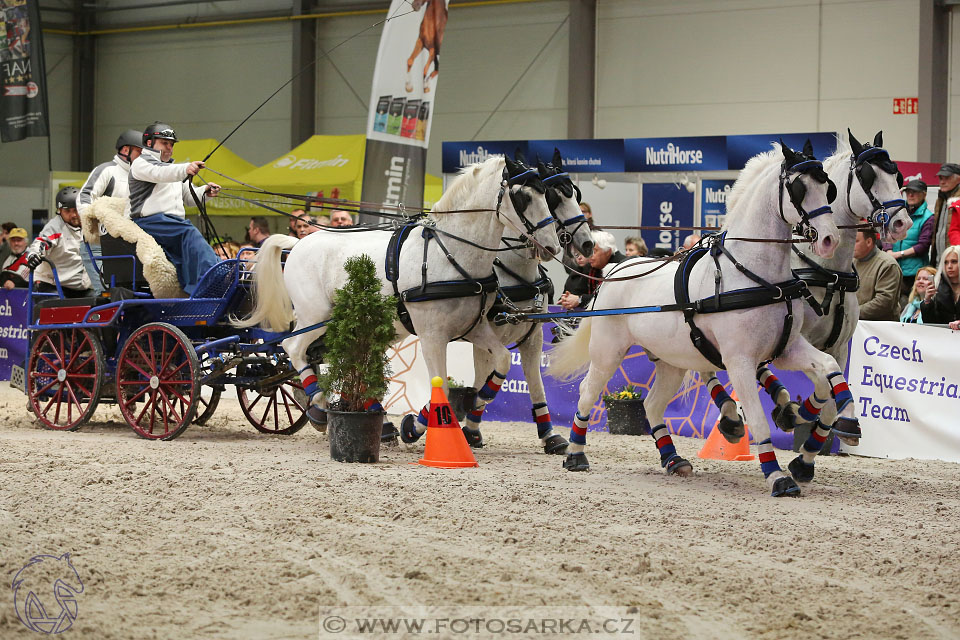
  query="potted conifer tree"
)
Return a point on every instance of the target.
[{"x": 358, "y": 334}]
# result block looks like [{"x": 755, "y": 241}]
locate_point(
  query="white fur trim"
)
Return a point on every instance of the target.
[{"x": 160, "y": 274}]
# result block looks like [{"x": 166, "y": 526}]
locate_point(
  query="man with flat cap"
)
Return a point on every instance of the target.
[
  {"x": 949, "y": 176},
  {"x": 911, "y": 252}
]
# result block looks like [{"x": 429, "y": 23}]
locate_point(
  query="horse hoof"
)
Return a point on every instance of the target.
[
  {"x": 576, "y": 462},
  {"x": 785, "y": 486},
  {"x": 677, "y": 466},
  {"x": 556, "y": 444},
  {"x": 848, "y": 430},
  {"x": 786, "y": 417},
  {"x": 474, "y": 438},
  {"x": 800, "y": 470},
  {"x": 389, "y": 433},
  {"x": 731, "y": 430},
  {"x": 317, "y": 415},
  {"x": 408, "y": 429}
]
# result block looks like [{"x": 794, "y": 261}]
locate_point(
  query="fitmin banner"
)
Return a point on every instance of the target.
[
  {"x": 401, "y": 101},
  {"x": 23, "y": 100},
  {"x": 907, "y": 388}
]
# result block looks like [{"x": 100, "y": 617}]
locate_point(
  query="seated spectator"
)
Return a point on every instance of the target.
[
  {"x": 306, "y": 225},
  {"x": 226, "y": 250},
  {"x": 14, "y": 271},
  {"x": 340, "y": 218},
  {"x": 911, "y": 312},
  {"x": 940, "y": 300},
  {"x": 604, "y": 254},
  {"x": 690, "y": 241},
  {"x": 292, "y": 221},
  {"x": 880, "y": 278},
  {"x": 634, "y": 246},
  {"x": 576, "y": 283},
  {"x": 911, "y": 252}
]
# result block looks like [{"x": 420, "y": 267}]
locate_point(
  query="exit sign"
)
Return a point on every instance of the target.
[{"x": 904, "y": 106}]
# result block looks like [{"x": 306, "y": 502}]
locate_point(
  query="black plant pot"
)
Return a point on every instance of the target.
[
  {"x": 354, "y": 436},
  {"x": 462, "y": 400},
  {"x": 627, "y": 417}
]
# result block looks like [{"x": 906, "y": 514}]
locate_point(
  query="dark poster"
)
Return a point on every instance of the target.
[{"x": 23, "y": 102}]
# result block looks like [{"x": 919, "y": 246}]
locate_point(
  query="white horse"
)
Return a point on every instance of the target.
[
  {"x": 523, "y": 285},
  {"x": 869, "y": 189},
  {"x": 444, "y": 272},
  {"x": 759, "y": 316}
]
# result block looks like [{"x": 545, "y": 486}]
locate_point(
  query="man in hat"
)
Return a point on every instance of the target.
[
  {"x": 14, "y": 271},
  {"x": 911, "y": 252},
  {"x": 949, "y": 176}
]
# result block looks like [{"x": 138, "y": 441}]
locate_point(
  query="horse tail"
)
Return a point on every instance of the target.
[
  {"x": 272, "y": 307},
  {"x": 690, "y": 380},
  {"x": 570, "y": 358}
]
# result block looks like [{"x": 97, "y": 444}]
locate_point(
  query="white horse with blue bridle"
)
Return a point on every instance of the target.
[{"x": 738, "y": 305}]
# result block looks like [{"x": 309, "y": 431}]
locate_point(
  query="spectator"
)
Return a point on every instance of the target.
[
  {"x": 5, "y": 230},
  {"x": 340, "y": 218},
  {"x": 306, "y": 225},
  {"x": 949, "y": 176},
  {"x": 940, "y": 300},
  {"x": 911, "y": 312},
  {"x": 59, "y": 242},
  {"x": 293, "y": 221},
  {"x": 587, "y": 211},
  {"x": 635, "y": 246},
  {"x": 911, "y": 252},
  {"x": 690, "y": 241},
  {"x": 226, "y": 250},
  {"x": 880, "y": 277},
  {"x": 258, "y": 230},
  {"x": 604, "y": 254},
  {"x": 953, "y": 233},
  {"x": 14, "y": 271},
  {"x": 576, "y": 283}
]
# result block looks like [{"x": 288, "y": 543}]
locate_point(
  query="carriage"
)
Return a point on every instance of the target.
[{"x": 164, "y": 361}]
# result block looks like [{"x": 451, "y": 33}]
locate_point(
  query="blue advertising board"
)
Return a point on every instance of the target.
[
  {"x": 706, "y": 153},
  {"x": 742, "y": 148},
  {"x": 665, "y": 205},
  {"x": 13, "y": 329},
  {"x": 713, "y": 201},
  {"x": 582, "y": 156},
  {"x": 457, "y": 155}
]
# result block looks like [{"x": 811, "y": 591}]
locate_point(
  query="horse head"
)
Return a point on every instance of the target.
[
  {"x": 563, "y": 198},
  {"x": 804, "y": 198},
  {"x": 52, "y": 575},
  {"x": 526, "y": 207},
  {"x": 873, "y": 188}
]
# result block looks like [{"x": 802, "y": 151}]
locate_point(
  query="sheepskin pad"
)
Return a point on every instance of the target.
[{"x": 160, "y": 274}]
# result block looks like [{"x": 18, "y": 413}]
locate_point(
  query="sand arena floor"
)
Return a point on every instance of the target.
[{"x": 227, "y": 533}]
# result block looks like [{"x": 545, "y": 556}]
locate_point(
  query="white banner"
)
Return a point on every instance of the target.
[{"x": 906, "y": 383}]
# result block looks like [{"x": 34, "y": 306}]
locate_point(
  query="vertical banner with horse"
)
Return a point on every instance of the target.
[
  {"x": 23, "y": 101},
  {"x": 404, "y": 86}
]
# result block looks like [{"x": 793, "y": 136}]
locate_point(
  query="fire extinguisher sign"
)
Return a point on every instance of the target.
[{"x": 905, "y": 106}]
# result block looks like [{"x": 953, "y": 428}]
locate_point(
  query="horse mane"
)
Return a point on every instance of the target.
[
  {"x": 750, "y": 175},
  {"x": 465, "y": 183},
  {"x": 840, "y": 156}
]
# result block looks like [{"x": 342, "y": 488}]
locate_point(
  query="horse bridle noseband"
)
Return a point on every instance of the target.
[
  {"x": 526, "y": 178},
  {"x": 566, "y": 188},
  {"x": 862, "y": 168},
  {"x": 796, "y": 189}
]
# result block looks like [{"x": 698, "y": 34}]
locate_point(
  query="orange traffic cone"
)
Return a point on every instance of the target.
[
  {"x": 446, "y": 447},
  {"x": 717, "y": 448}
]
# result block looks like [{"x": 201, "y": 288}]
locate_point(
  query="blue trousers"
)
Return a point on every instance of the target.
[{"x": 184, "y": 246}]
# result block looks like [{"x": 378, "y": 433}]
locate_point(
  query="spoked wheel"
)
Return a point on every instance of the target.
[
  {"x": 65, "y": 373},
  {"x": 209, "y": 399},
  {"x": 157, "y": 381},
  {"x": 280, "y": 408}
]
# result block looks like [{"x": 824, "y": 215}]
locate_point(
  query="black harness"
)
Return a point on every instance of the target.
[
  {"x": 861, "y": 168},
  {"x": 832, "y": 281}
]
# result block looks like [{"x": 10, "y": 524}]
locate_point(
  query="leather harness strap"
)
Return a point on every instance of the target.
[{"x": 816, "y": 275}]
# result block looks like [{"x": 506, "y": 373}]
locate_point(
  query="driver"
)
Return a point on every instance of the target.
[{"x": 60, "y": 243}]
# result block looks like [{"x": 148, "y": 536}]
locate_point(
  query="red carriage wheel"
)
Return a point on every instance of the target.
[
  {"x": 209, "y": 399},
  {"x": 157, "y": 381},
  {"x": 280, "y": 409},
  {"x": 65, "y": 372}
]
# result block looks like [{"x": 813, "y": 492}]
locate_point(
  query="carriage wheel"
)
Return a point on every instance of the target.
[
  {"x": 280, "y": 410},
  {"x": 157, "y": 384},
  {"x": 209, "y": 399},
  {"x": 65, "y": 372}
]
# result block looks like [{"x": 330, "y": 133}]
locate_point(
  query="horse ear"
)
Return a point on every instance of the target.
[
  {"x": 878, "y": 139},
  {"x": 511, "y": 166},
  {"x": 855, "y": 145},
  {"x": 788, "y": 153},
  {"x": 557, "y": 159},
  {"x": 542, "y": 169},
  {"x": 808, "y": 148},
  {"x": 519, "y": 157}
]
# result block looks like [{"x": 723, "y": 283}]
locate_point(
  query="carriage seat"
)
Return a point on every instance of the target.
[{"x": 122, "y": 272}]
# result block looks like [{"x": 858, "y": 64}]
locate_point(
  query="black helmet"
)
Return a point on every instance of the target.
[
  {"x": 67, "y": 198},
  {"x": 159, "y": 131},
  {"x": 130, "y": 138}
]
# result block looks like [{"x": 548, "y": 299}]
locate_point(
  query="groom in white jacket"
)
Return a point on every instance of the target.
[{"x": 158, "y": 189}]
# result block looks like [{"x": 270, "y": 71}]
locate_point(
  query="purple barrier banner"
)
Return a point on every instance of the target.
[
  {"x": 693, "y": 414},
  {"x": 13, "y": 329}
]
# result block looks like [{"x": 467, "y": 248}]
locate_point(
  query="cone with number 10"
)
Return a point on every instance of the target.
[{"x": 446, "y": 447}]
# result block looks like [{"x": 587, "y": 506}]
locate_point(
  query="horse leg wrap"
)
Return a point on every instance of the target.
[
  {"x": 484, "y": 397},
  {"x": 578, "y": 433},
  {"x": 722, "y": 399},
  {"x": 309, "y": 380},
  {"x": 489, "y": 391},
  {"x": 669, "y": 458},
  {"x": 768, "y": 459},
  {"x": 810, "y": 409},
  {"x": 541, "y": 415},
  {"x": 783, "y": 485},
  {"x": 772, "y": 385},
  {"x": 813, "y": 445},
  {"x": 840, "y": 391}
]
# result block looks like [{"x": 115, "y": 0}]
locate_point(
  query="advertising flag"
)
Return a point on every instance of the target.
[
  {"x": 23, "y": 99},
  {"x": 401, "y": 103}
]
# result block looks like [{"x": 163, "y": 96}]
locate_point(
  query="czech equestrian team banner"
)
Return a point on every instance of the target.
[
  {"x": 13, "y": 329},
  {"x": 401, "y": 101},
  {"x": 907, "y": 387},
  {"x": 713, "y": 201},
  {"x": 23, "y": 103},
  {"x": 665, "y": 205}
]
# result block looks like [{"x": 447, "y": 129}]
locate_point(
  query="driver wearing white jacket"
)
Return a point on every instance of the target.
[{"x": 61, "y": 242}]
